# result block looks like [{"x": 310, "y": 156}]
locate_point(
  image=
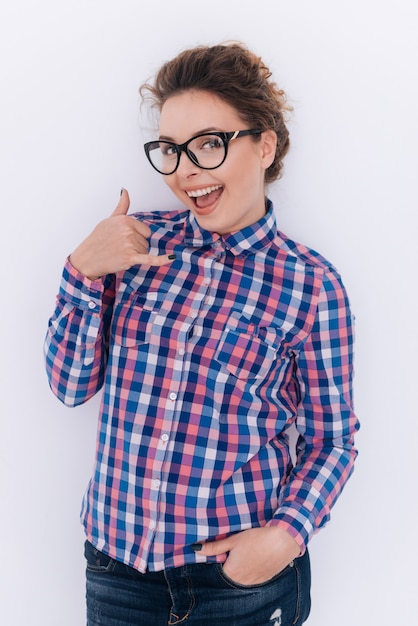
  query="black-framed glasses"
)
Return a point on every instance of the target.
[{"x": 207, "y": 150}]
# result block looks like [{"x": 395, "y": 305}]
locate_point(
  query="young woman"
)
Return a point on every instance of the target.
[{"x": 211, "y": 334}]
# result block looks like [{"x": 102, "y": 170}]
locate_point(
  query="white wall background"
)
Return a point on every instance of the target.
[{"x": 71, "y": 137}]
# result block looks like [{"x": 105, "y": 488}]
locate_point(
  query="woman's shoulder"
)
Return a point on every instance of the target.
[{"x": 304, "y": 253}]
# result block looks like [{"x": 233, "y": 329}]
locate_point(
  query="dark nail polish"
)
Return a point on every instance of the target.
[
  {"x": 121, "y": 191},
  {"x": 172, "y": 257},
  {"x": 196, "y": 546}
]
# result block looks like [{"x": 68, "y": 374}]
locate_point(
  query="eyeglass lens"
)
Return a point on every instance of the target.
[{"x": 207, "y": 151}]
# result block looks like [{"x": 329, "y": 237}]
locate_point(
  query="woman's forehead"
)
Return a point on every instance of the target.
[{"x": 191, "y": 112}]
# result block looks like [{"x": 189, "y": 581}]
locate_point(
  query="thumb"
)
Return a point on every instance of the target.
[
  {"x": 123, "y": 204},
  {"x": 213, "y": 548}
]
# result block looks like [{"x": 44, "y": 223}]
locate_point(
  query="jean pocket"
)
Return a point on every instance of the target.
[
  {"x": 97, "y": 561},
  {"x": 236, "y": 585}
]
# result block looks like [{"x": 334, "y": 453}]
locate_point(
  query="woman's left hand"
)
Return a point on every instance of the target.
[{"x": 255, "y": 555}]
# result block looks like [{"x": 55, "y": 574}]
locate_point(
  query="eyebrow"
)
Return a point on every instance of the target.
[{"x": 210, "y": 129}]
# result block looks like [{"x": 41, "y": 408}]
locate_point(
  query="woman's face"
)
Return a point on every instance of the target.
[{"x": 228, "y": 198}]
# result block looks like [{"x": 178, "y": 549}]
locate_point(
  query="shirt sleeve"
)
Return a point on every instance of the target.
[
  {"x": 326, "y": 422},
  {"x": 77, "y": 340}
]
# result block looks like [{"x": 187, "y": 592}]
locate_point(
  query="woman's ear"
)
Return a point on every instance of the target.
[{"x": 268, "y": 147}]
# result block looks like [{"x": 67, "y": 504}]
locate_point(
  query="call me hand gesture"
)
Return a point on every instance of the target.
[{"x": 116, "y": 244}]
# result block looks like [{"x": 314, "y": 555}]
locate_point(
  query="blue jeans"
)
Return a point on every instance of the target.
[{"x": 193, "y": 595}]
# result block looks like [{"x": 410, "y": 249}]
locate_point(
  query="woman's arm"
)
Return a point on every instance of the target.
[
  {"x": 76, "y": 344},
  {"x": 326, "y": 421}
]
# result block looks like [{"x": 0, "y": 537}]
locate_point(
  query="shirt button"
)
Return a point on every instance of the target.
[
  {"x": 181, "y": 352},
  {"x": 164, "y": 437},
  {"x": 92, "y": 305},
  {"x": 152, "y": 525},
  {"x": 173, "y": 395},
  {"x": 156, "y": 483}
]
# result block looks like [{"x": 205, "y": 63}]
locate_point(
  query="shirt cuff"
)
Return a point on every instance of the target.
[
  {"x": 79, "y": 290},
  {"x": 296, "y": 522}
]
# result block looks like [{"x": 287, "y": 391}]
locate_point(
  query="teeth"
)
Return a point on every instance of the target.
[{"x": 202, "y": 192}]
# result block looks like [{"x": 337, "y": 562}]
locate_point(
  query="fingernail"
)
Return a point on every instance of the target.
[
  {"x": 121, "y": 191},
  {"x": 196, "y": 546},
  {"x": 172, "y": 257}
]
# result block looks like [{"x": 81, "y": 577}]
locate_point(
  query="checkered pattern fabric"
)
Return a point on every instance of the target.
[{"x": 204, "y": 365}]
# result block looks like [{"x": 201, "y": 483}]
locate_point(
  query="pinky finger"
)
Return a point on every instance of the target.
[{"x": 154, "y": 260}]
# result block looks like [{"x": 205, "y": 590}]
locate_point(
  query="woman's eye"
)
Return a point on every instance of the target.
[
  {"x": 211, "y": 143},
  {"x": 168, "y": 150}
]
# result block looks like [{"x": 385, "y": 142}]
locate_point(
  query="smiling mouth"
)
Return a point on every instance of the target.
[{"x": 206, "y": 196}]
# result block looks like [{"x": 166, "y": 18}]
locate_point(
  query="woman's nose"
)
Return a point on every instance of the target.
[{"x": 186, "y": 167}]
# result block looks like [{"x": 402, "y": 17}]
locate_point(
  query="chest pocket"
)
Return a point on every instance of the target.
[
  {"x": 133, "y": 318},
  {"x": 248, "y": 351}
]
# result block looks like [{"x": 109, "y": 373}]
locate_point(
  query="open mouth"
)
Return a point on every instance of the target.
[{"x": 206, "y": 196}]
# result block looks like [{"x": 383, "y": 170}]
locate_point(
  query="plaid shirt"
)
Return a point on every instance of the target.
[{"x": 205, "y": 364}]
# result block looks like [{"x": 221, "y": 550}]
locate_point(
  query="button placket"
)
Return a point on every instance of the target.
[{"x": 169, "y": 419}]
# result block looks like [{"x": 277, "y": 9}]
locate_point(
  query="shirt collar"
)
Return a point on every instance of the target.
[{"x": 248, "y": 240}]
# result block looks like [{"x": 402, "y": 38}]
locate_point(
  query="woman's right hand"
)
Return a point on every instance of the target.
[{"x": 116, "y": 244}]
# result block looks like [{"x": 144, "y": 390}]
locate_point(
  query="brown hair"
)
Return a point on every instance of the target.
[{"x": 237, "y": 76}]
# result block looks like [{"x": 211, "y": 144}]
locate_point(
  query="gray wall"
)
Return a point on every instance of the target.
[{"x": 71, "y": 136}]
